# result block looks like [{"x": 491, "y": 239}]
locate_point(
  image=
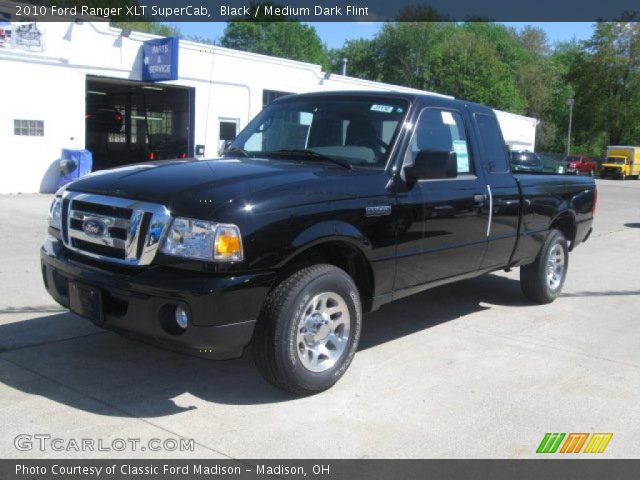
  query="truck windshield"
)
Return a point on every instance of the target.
[
  {"x": 618, "y": 160},
  {"x": 353, "y": 131}
]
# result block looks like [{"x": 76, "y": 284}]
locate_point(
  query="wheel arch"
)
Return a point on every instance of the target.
[
  {"x": 336, "y": 243},
  {"x": 566, "y": 222}
]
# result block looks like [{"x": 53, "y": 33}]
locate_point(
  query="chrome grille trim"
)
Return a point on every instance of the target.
[
  {"x": 110, "y": 221},
  {"x": 138, "y": 248}
]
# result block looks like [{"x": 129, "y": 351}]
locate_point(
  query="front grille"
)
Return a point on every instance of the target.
[
  {"x": 114, "y": 232},
  {"x": 112, "y": 229},
  {"x": 100, "y": 209},
  {"x": 98, "y": 249}
]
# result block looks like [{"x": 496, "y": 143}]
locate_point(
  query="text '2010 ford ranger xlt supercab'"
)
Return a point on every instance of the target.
[{"x": 326, "y": 206}]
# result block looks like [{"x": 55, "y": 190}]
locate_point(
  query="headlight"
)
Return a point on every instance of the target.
[
  {"x": 55, "y": 213},
  {"x": 202, "y": 240}
]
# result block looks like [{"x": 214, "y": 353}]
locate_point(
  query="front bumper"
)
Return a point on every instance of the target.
[
  {"x": 611, "y": 171},
  {"x": 222, "y": 309}
]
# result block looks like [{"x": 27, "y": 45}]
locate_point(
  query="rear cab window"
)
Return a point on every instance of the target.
[{"x": 494, "y": 150}]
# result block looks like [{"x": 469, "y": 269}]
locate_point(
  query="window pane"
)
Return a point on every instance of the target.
[
  {"x": 442, "y": 130},
  {"x": 358, "y": 130},
  {"x": 28, "y": 127},
  {"x": 493, "y": 147},
  {"x": 228, "y": 130}
]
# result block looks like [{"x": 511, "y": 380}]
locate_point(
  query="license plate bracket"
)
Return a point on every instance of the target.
[{"x": 86, "y": 301}]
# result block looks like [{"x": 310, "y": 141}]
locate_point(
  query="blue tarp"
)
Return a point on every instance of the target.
[{"x": 83, "y": 161}]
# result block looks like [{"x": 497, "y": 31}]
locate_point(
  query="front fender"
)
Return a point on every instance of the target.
[{"x": 328, "y": 231}]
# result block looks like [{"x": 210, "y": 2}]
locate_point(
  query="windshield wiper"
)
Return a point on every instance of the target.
[
  {"x": 239, "y": 150},
  {"x": 300, "y": 152}
]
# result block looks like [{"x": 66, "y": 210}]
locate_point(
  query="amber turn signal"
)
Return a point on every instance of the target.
[{"x": 228, "y": 244}]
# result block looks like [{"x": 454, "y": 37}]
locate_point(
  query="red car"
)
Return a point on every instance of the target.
[{"x": 580, "y": 165}]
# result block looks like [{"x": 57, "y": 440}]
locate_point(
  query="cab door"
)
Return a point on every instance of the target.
[
  {"x": 502, "y": 213},
  {"x": 454, "y": 238}
]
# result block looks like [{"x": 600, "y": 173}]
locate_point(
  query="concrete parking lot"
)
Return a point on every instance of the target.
[{"x": 466, "y": 370}]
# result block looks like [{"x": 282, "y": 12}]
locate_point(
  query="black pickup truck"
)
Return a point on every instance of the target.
[{"x": 326, "y": 206}]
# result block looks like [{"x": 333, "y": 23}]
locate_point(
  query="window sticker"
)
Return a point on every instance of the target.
[
  {"x": 306, "y": 118},
  {"x": 447, "y": 118},
  {"x": 460, "y": 147},
  {"x": 382, "y": 108}
]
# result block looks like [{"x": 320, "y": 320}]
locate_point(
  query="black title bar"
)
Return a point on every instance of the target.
[{"x": 323, "y": 10}]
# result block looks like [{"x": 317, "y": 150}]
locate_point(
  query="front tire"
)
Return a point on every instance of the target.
[
  {"x": 308, "y": 330},
  {"x": 542, "y": 280}
]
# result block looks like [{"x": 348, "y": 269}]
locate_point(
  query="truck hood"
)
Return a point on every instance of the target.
[{"x": 199, "y": 188}]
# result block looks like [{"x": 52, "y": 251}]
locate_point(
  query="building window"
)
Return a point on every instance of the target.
[
  {"x": 228, "y": 129},
  {"x": 269, "y": 96},
  {"x": 29, "y": 128}
]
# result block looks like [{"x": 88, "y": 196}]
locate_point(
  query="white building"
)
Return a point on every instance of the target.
[{"x": 79, "y": 85}]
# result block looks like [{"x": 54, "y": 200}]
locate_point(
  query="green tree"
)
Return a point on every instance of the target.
[
  {"x": 535, "y": 41},
  {"x": 552, "y": 132},
  {"x": 471, "y": 67},
  {"x": 606, "y": 79},
  {"x": 475, "y": 61},
  {"x": 362, "y": 59},
  {"x": 406, "y": 51},
  {"x": 285, "y": 39},
  {"x": 540, "y": 81}
]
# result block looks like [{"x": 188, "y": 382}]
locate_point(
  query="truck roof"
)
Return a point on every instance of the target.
[{"x": 410, "y": 96}]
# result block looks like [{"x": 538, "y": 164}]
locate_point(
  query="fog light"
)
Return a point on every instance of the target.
[{"x": 182, "y": 319}]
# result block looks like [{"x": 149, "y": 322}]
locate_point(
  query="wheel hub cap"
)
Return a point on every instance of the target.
[
  {"x": 555, "y": 267},
  {"x": 317, "y": 328},
  {"x": 323, "y": 331}
]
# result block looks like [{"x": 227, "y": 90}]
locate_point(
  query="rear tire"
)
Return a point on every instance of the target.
[
  {"x": 308, "y": 330},
  {"x": 542, "y": 280}
]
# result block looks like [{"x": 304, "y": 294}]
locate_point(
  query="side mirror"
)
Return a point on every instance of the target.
[
  {"x": 433, "y": 164},
  {"x": 224, "y": 147}
]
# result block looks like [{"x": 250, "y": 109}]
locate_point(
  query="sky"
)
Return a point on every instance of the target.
[{"x": 333, "y": 34}]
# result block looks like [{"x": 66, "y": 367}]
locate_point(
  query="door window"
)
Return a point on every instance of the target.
[{"x": 439, "y": 129}]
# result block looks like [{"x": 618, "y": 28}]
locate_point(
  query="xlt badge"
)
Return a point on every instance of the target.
[{"x": 378, "y": 210}]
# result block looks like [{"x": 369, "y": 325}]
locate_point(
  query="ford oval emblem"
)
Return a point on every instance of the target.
[{"x": 92, "y": 226}]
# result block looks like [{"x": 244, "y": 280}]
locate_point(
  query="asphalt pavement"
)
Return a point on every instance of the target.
[{"x": 468, "y": 370}]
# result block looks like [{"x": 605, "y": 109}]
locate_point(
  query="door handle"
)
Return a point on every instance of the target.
[{"x": 479, "y": 199}]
